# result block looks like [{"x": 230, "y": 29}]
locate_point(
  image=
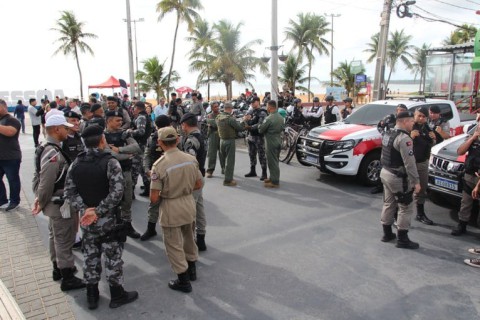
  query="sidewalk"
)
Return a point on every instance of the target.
[{"x": 26, "y": 270}]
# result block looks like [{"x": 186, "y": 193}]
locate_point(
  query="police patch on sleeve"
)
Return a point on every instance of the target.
[
  {"x": 410, "y": 153},
  {"x": 409, "y": 143},
  {"x": 154, "y": 176}
]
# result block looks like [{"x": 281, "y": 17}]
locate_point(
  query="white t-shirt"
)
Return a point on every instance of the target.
[
  {"x": 32, "y": 111},
  {"x": 159, "y": 110}
]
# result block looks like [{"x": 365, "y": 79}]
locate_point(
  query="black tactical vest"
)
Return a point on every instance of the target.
[
  {"x": 142, "y": 140},
  {"x": 118, "y": 140},
  {"x": 329, "y": 116},
  {"x": 62, "y": 175},
  {"x": 421, "y": 144},
  {"x": 89, "y": 173},
  {"x": 391, "y": 157},
  {"x": 434, "y": 125},
  {"x": 153, "y": 148},
  {"x": 472, "y": 162},
  {"x": 201, "y": 152},
  {"x": 256, "y": 113},
  {"x": 315, "y": 122},
  {"x": 73, "y": 146}
]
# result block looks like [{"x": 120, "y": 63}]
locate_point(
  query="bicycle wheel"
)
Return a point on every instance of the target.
[{"x": 285, "y": 149}]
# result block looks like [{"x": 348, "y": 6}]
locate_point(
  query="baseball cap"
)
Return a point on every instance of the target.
[
  {"x": 167, "y": 134},
  {"x": 57, "y": 120},
  {"x": 53, "y": 112}
]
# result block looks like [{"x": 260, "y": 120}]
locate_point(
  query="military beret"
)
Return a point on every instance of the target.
[
  {"x": 162, "y": 121},
  {"x": 72, "y": 114},
  {"x": 114, "y": 113},
  {"x": 435, "y": 109},
  {"x": 92, "y": 131},
  {"x": 347, "y": 100},
  {"x": 95, "y": 107},
  {"x": 167, "y": 134},
  {"x": 405, "y": 114},
  {"x": 423, "y": 110},
  {"x": 187, "y": 116}
]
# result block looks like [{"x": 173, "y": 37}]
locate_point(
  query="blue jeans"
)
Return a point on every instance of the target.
[
  {"x": 22, "y": 122},
  {"x": 11, "y": 168}
]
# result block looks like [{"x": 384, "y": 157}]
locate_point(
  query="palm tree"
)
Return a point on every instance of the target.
[
  {"x": 153, "y": 77},
  {"x": 71, "y": 39},
  {"x": 398, "y": 49},
  {"x": 292, "y": 76},
  {"x": 419, "y": 63},
  {"x": 344, "y": 76},
  {"x": 372, "y": 47},
  {"x": 200, "y": 57},
  {"x": 465, "y": 33},
  {"x": 185, "y": 11},
  {"x": 233, "y": 61}
]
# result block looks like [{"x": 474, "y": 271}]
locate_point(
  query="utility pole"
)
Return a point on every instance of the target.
[
  {"x": 130, "y": 51},
  {"x": 379, "y": 80},
  {"x": 332, "y": 15},
  {"x": 274, "y": 48}
]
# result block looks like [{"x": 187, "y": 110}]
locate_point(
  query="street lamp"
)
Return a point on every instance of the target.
[
  {"x": 136, "y": 47},
  {"x": 331, "y": 50},
  {"x": 130, "y": 54}
]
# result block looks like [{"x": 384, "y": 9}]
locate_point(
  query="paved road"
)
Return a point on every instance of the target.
[{"x": 309, "y": 250}]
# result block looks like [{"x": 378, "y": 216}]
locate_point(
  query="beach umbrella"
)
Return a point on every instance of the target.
[{"x": 184, "y": 89}]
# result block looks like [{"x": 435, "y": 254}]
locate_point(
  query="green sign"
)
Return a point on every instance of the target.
[
  {"x": 476, "y": 61},
  {"x": 356, "y": 67}
]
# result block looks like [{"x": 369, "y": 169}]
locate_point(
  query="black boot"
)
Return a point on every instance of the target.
[
  {"x": 252, "y": 173},
  {"x": 182, "y": 283},
  {"x": 201, "y": 242},
  {"x": 192, "y": 270},
  {"x": 56, "y": 273},
  {"x": 92, "y": 296},
  {"x": 146, "y": 190},
  {"x": 151, "y": 232},
  {"x": 404, "y": 242},
  {"x": 388, "y": 235},
  {"x": 460, "y": 229},
  {"x": 69, "y": 281},
  {"x": 131, "y": 232},
  {"x": 421, "y": 216},
  {"x": 264, "y": 174},
  {"x": 120, "y": 297}
]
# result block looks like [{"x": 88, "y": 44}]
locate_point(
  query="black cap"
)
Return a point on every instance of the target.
[
  {"x": 71, "y": 114},
  {"x": 162, "y": 121},
  {"x": 125, "y": 95},
  {"x": 115, "y": 113},
  {"x": 347, "y": 100},
  {"x": 435, "y": 109},
  {"x": 111, "y": 98},
  {"x": 92, "y": 131},
  {"x": 423, "y": 110},
  {"x": 405, "y": 114},
  {"x": 316, "y": 99},
  {"x": 329, "y": 98},
  {"x": 95, "y": 107},
  {"x": 187, "y": 116}
]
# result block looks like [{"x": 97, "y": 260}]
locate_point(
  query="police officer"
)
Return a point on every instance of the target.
[
  {"x": 400, "y": 178},
  {"x": 315, "y": 114},
  {"x": 438, "y": 124},
  {"x": 272, "y": 128},
  {"x": 194, "y": 144},
  {"x": 348, "y": 109},
  {"x": 142, "y": 128},
  {"x": 213, "y": 141},
  {"x": 227, "y": 130},
  {"x": 86, "y": 116},
  {"x": 197, "y": 107},
  {"x": 332, "y": 113},
  {"x": 94, "y": 187},
  {"x": 51, "y": 165},
  {"x": 98, "y": 116},
  {"x": 152, "y": 153},
  {"x": 174, "y": 177},
  {"x": 173, "y": 111},
  {"x": 256, "y": 141},
  {"x": 472, "y": 168},
  {"x": 114, "y": 105},
  {"x": 123, "y": 148},
  {"x": 73, "y": 145},
  {"x": 423, "y": 141},
  {"x": 297, "y": 113}
]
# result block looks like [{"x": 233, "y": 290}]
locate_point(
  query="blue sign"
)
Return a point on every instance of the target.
[{"x": 359, "y": 78}]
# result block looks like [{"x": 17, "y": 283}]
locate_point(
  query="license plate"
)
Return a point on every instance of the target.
[
  {"x": 449, "y": 184},
  {"x": 311, "y": 159}
]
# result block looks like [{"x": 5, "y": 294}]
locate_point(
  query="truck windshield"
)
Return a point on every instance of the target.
[{"x": 370, "y": 114}]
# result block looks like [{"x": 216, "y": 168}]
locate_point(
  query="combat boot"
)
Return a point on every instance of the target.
[
  {"x": 92, "y": 296},
  {"x": 421, "y": 216},
  {"x": 146, "y": 191},
  {"x": 56, "y": 273},
  {"x": 270, "y": 184},
  {"x": 264, "y": 174},
  {"x": 232, "y": 183},
  {"x": 182, "y": 283},
  {"x": 404, "y": 242},
  {"x": 201, "y": 242},
  {"x": 69, "y": 281},
  {"x": 192, "y": 270},
  {"x": 119, "y": 296},
  {"x": 388, "y": 235},
  {"x": 460, "y": 229},
  {"x": 131, "y": 232},
  {"x": 209, "y": 174},
  {"x": 151, "y": 232},
  {"x": 252, "y": 173}
]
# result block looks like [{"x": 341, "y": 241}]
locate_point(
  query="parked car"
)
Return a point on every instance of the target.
[{"x": 353, "y": 146}]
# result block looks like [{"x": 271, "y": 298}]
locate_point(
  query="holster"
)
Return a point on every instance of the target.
[
  {"x": 119, "y": 229},
  {"x": 404, "y": 197}
]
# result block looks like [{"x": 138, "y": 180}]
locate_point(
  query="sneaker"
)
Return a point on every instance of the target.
[
  {"x": 473, "y": 262},
  {"x": 474, "y": 250},
  {"x": 4, "y": 206},
  {"x": 11, "y": 207}
]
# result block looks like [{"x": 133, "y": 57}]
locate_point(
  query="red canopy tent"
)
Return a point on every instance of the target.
[{"x": 111, "y": 82}]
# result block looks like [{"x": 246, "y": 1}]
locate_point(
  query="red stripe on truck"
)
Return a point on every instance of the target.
[
  {"x": 338, "y": 134},
  {"x": 366, "y": 146}
]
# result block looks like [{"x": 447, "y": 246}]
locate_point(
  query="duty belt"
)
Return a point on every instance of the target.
[{"x": 396, "y": 171}]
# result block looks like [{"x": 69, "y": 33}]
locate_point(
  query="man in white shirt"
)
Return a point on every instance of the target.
[
  {"x": 162, "y": 108},
  {"x": 35, "y": 119},
  {"x": 314, "y": 114}
]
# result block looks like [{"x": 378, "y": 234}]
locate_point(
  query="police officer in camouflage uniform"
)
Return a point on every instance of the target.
[
  {"x": 142, "y": 128},
  {"x": 272, "y": 128},
  {"x": 194, "y": 143},
  {"x": 98, "y": 116},
  {"x": 114, "y": 105},
  {"x": 213, "y": 141},
  {"x": 123, "y": 148},
  {"x": 94, "y": 187},
  {"x": 227, "y": 130},
  {"x": 400, "y": 178},
  {"x": 86, "y": 116},
  {"x": 197, "y": 107},
  {"x": 153, "y": 152},
  {"x": 256, "y": 141},
  {"x": 73, "y": 145},
  {"x": 51, "y": 165}
]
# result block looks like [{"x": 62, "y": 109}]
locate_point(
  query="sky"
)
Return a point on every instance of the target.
[{"x": 28, "y": 64}]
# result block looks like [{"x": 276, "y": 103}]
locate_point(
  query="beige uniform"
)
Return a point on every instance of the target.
[{"x": 175, "y": 175}]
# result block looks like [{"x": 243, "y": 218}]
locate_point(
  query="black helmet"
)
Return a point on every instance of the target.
[
  {"x": 297, "y": 101},
  {"x": 329, "y": 98}
]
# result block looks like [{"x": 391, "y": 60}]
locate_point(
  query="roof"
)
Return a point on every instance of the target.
[
  {"x": 111, "y": 82},
  {"x": 457, "y": 48}
]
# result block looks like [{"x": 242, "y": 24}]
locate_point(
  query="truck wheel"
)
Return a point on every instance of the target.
[{"x": 369, "y": 172}]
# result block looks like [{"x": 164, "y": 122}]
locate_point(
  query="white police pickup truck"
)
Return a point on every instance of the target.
[{"x": 352, "y": 147}]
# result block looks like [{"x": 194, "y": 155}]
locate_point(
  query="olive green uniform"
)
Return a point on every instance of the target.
[
  {"x": 227, "y": 130},
  {"x": 272, "y": 129},
  {"x": 213, "y": 144}
]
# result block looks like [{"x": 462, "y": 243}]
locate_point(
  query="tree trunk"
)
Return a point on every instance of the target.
[
  {"x": 295, "y": 71},
  {"x": 79, "y": 72},
  {"x": 309, "y": 74},
  {"x": 173, "y": 54},
  {"x": 388, "y": 80}
]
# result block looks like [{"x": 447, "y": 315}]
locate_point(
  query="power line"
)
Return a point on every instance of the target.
[
  {"x": 440, "y": 18},
  {"x": 454, "y": 5},
  {"x": 478, "y": 4}
]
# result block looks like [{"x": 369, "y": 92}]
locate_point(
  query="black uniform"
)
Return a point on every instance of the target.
[{"x": 73, "y": 146}]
